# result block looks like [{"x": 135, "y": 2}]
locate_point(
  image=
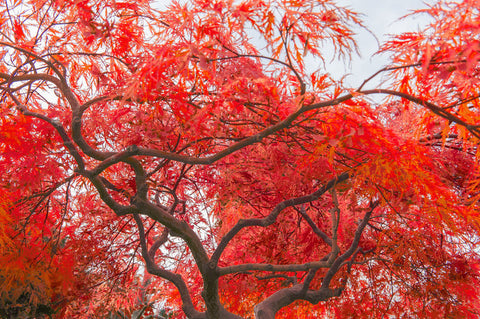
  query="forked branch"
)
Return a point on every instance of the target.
[
  {"x": 272, "y": 217},
  {"x": 176, "y": 279}
]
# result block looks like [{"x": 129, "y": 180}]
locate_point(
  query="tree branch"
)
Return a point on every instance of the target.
[
  {"x": 245, "y": 142},
  {"x": 176, "y": 279},
  {"x": 271, "y": 218},
  {"x": 119, "y": 209},
  {"x": 351, "y": 250},
  {"x": 399, "y": 67},
  {"x": 162, "y": 239},
  {"x": 474, "y": 129},
  {"x": 271, "y": 305},
  {"x": 282, "y": 298},
  {"x": 30, "y": 77},
  {"x": 269, "y": 267},
  {"x": 315, "y": 228},
  {"x": 67, "y": 142}
]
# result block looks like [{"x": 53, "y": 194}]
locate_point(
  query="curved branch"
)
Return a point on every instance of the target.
[
  {"x": 158, "y": 243},
  {"x": 266, "y": 132},
  {"x": 271, "y": 305},
  {"x": 35, "y": 56},
  {"x": 282, "y": 298},
  {"x": 210, "y": 293},
  {"x": 474, "y": 129},
  {"x": 119, "y": 209},
  {"x": 315, "y": 228},
  {"x": 177, "y": 228},
  {"x": 114, "y": 159},
  {"x": 82, "y": 144},
  {"x": 176, "y": 279},
  {"x": 287, "y": 53},
  {"x": 31, "y": 76},
  {"x": 274, "y": 268},
  {"x": 63, "y": 83},
  {"x": 97, "y": 99},
  {"x": 353, "y": 247},
  {"x": 99, "y": 155},
  {"x": 245, "y": 142},
  {"x": 67, "y": 142},
  {"x": 140, "y": 177},
  {"x": 271, "y": 218},
  {"x": 288, "y": 65},
  {"x": 92, "y": 176},
  {"x": 399, "y": 67}
]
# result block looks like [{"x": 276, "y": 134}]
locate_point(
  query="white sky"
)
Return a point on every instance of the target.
[{"x": 381, "y": 17}]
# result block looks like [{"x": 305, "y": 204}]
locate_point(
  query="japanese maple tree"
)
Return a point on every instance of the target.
[{"x": 188, "y": 160}]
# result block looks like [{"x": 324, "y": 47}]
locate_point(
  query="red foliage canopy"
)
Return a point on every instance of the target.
[{"x": 187, "y": 161}]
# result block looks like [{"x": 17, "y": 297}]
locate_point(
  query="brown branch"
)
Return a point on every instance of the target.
[
  {"x": 335, "y": 216},
  {"x": 98, "y": 99},
  {"x": 177, "y": 228},
  {"x": 291, "y": 279},
  {"x": 210, "y": 293},
  {"x": 271, "y": 305},
  {"x": 271, "y": 218},
  {"x": 35, "y": 56},
  {"x": 474, "y": 129},
  {"x": 62, "y": 81},
  {"x": 351, "y": 250},
  {"x": 245, "y": 142},
  {"x": 222, "y": 271},
  {"x": 162, "y": 239},
  {"x": 62, "y": 84},
  {"x": 67, "y": 142},
  {"x": 119, "y": 209},
  {"x": 399, "y": 67},
  {"x": 176, "y": 279},
  {"x": 88, "y": 150},
  {"x": 306, "y": 283},
  {"x": 82, "y": 144},
  {"x": 282, "y": 298},
  {"x": 314, "y": 227},
  {"x": 30, "y": 77}
]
